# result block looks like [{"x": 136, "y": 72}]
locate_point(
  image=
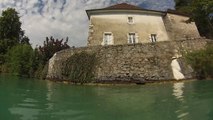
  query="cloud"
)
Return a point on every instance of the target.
[{"x": 65, "y": 18}]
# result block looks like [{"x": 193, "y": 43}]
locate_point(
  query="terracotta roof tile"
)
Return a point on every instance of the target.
[{"x": 123, "y": 6}]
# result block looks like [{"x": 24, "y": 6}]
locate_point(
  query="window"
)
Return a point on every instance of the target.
[
  {"x": 130, "y": 20},
  {"x": 153, "y": 38},
  {"x": 131, "y": 38},
  {"x": 108, "y": 38}
]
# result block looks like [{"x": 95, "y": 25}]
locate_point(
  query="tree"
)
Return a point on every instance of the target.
[
  {"x": 11, "y": 33},
  {"x": 183, "y": 5},
  {"x": 50, "y": 47},
  {"x": 10, "y": 27},
  {"x": 25, "y": 40},
  {"x": 201, "y": 12}
]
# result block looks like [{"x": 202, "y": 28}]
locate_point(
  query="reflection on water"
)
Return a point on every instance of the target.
[
  {"x": 29, "y": 108},
  {"x": 26, "y": 109},
  {"x": 182, "y": 115},
  {"x": 178, "y": 90},
  {"x": 49, "y": 95}
]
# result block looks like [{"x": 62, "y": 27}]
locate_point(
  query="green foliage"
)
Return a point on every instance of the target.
[
  {"x": 18, "y": 59},
  {"x": 25, "y": 40},
  {"x": 16, "y": 54},
  {"x": 200, "y": 11},
  {"x": 10, "y": 25},
  {"x": 11, "y": 33},
  {"x": 183, "y": 6},
  {"x": 41, "y": 71},
  {"x": 35, "y": 64},
  {"x": 2, "y": 51},
  {"x": 80, "y": 67},
  {"x": 21, "y": 59},
  {"x": 202, "y": 62}
]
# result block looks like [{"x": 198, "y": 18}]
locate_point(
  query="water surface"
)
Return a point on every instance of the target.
[{"x": 27, "y": 99}]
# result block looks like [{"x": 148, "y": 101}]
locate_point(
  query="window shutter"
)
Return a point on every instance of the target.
[
  {"x": 111, "y": 40},
  {"x": 136, "y": 37},
  {"x": 150, "y": 38},
  {"x": 128, "y": 38}
]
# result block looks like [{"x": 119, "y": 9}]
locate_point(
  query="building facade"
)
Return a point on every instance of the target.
[{"x": 128, "y": 24}]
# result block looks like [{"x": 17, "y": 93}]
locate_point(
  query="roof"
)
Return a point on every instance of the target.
[
  {"x": 177, "y": 12},
  {"x": 125, "y": 6}
]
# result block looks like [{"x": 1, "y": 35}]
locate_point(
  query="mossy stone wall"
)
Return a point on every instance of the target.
[{"x": 131, "y": 62}]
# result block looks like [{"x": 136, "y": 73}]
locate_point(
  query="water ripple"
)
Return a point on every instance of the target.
[{"x": 183, "y": 115}]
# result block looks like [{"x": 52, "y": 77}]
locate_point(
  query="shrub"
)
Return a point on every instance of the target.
[
  {"x": 80, "y": 67},
  {"x": 202, "y": 62},
  {"x": 18, "y": 59}
]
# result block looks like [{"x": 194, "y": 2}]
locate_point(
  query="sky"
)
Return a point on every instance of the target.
[{"x": 66, "y": 18}]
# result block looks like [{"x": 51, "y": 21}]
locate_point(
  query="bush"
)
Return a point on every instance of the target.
[
  {"x": 80, "y": 67},
  {"x": 18, "y": 59},
  {"x": 202, "y": 62},
  {"x": 41, "y": 71}
]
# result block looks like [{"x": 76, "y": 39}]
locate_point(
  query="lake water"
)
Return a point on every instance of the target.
[{"x": 26, "y": 99}]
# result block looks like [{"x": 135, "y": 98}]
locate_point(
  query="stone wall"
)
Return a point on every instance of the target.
[{"x": 132, "y": 62}]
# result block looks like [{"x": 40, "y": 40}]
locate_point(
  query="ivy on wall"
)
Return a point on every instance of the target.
[{"x": 79, "y": 68}]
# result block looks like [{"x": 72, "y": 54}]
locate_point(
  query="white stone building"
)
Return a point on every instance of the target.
[{"x": 127, "y": 24}]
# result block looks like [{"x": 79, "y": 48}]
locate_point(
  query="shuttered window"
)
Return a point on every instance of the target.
[
  {"x": 108, "y": 38},
  {"x": 132, "y": 38},
  {"x": 153, "y": 38}
]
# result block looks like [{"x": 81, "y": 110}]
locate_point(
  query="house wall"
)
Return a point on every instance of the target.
[
  {"x": 178, "y": 29},
  {"x": 144, "y": 25}
]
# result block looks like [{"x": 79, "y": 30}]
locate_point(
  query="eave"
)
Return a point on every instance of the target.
[{"x": 124, "y": 11}]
